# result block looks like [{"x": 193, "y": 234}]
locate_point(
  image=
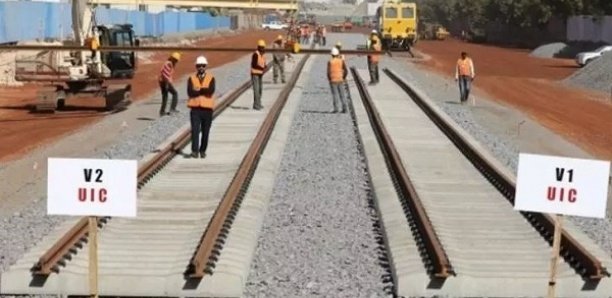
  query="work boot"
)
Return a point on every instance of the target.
[
  {"x": 193, "y": 155},
  {"x": 202, "y": 155}
]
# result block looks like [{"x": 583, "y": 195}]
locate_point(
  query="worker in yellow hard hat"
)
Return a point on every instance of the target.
[
  {"x": 258, "y": 67},
  {"x": 278, "y": 60},
  {"x": 166, "y": 84}
]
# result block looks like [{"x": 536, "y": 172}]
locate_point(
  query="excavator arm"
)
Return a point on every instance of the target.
[{"x": 81, "y": 21}]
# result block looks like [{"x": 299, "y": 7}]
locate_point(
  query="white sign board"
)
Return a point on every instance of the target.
[
  {"x": 92, "y": 187},
  {"x": 561, "y": 185}
]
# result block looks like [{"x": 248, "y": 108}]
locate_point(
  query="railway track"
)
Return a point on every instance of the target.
[
  {"x": 446, "y": 207},
  {"x": 180, "y": 244}
]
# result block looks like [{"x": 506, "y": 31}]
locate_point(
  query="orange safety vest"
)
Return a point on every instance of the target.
[
  {"x": 375, "y": 57},
  {"x": 201, "y": 101},
  {"x": 261, "y": 61},
  {"x": 464, "y": 67},
  {"x": 336, "y": 71}
]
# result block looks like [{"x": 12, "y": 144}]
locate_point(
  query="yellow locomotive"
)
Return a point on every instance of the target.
[{"x": 397, "y": 24}]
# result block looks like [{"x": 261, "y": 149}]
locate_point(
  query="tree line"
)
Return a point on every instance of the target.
[{"x": 474, "y": 15}]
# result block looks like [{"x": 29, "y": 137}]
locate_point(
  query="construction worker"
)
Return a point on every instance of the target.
[
  {"x": 166, "y": 84},
  {"x": 464, "y": 74},
  {"x": 200, "y": 89},
  {"x": 258, "y": 66},
  {"x": 324, "y": 34},
  {"x": 336, "y": 74},
  {"x": 339, "y": 47},
  {"x": 373, "y": 60},
  {"x": 373, "y": 34},
  {"x": 278, "y": 61}
]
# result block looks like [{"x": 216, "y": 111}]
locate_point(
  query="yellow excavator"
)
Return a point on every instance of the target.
[{"x": 84, "y": 73}]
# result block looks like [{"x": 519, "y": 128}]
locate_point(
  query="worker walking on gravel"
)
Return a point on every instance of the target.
[
  {"x": 336, "y": 74},
  {"x": 373, "y": 60},
  {"x": 464, "y": 74},
  {"x": 258, "y": 66},
  {"x": 166, "y": 84},
  {"x": 200, "y": 89},
  {"x": 278, "y": 61}
]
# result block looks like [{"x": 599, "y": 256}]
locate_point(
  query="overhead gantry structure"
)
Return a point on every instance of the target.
[{"x": 289, "y": 5}]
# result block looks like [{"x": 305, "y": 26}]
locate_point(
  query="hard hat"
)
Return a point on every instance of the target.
[
  {"x": 279, "y": 37},
  {"x": 201, "y": 60},
  {"x": 261, "y": 43},
  {"x": 374, "y": 31},
  {"x": 335, "y": 51},
  {"x": 176, "y": 56},
  {"x": 338, "y": 44}
]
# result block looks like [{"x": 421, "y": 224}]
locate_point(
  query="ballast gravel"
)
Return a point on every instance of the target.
[
  {"x": 318, "y": 237},
  {"x": 505, "y": 147},
  {"x": 22, "y": 230},
  {"x": 548, "y": 50},
  {"x": 597, "y": 75}
]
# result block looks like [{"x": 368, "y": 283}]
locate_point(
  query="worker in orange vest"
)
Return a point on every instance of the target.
[
  {"x": 373, "y": 60},
  {"x": 166, "y": 84},
  {"x": 464, "y": 74},
  {"x": 258, "y": 67},
  {"x": 336, "y": 74},
  {"x": 200, "y": 89}
]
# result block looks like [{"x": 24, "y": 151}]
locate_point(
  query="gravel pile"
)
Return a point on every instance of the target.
[
  {"x": 596, "y": 75},
  {"x": 548, "y": 50},
  {"x": 21, "y": 231},
  {"x": 318, "y": 238},
  {"x": 444, "y": 92}
]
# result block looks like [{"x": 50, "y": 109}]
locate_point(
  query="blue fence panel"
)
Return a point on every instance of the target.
[
  {"x": 187, "y": 22},
  {"x": 21, "y": 21},
  {"x": 203, "y": 21},
  {"x": 2, "y": 23}
]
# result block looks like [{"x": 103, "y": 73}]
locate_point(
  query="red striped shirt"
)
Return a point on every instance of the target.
[{"x": 166, "y": 71}]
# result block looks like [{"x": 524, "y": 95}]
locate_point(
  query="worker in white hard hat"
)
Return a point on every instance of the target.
[
  {"x": 258, "y": 67},
  {"x": 373, "y": 34},
  {"x": 278, "y": 61},
  {"x": 200, "y": 89},
  {"x": 166, "y": 84},
  {"x": 336, "y": 74}
]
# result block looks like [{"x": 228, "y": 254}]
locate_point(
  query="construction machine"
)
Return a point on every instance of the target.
[
  {"x": 433, "y": 31},
  {"x": 84, "y": 73},
  {"x": 397, "y": 24}
]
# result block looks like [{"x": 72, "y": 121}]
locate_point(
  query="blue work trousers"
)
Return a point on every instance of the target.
[{"x": 465, "y": 83}]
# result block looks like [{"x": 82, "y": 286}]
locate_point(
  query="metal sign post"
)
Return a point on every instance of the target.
[
  {"x": 554, "y": 260},
  {"x": 93, "y": 256}
]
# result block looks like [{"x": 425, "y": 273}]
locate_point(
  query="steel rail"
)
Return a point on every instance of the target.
[
  {"x": 574, "y": 253},
  {"x": 49, "y": 260},
  {"x": 213, "y": 237},
  {"x": 440, "y": 264},
  {"x": 173, "y": 49}
]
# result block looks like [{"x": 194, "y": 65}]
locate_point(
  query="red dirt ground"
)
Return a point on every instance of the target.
[
  {"x": 22, "y": 131},
  {"x": 531, "y": 85}
]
